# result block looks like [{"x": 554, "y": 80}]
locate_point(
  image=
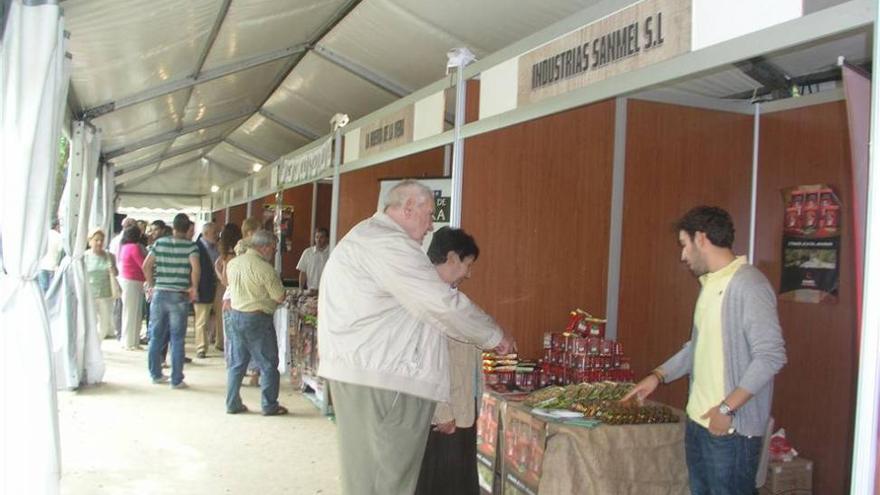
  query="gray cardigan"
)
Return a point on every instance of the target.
[{"x": 753, "y": 347}]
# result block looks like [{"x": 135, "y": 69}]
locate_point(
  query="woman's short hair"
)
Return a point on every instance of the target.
[{"x": 448, "y": 239}]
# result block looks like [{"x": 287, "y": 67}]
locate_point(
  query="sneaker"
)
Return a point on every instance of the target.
[
  {"x": 201, "y": 355},
  {"x": 161, "y": 379},
  {"x": 180, "y": 386}
]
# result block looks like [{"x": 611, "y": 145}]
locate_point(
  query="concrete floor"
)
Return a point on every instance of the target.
[{"x": 129, "y": 436}]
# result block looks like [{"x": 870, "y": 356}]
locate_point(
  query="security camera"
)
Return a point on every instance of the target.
[{"x": 339, "y": 120}]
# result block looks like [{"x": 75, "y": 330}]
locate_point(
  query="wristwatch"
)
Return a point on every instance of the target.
[{"x": 725, "y": 409}]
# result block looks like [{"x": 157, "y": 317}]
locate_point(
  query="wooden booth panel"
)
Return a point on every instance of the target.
[
  {"x": 237, "y": 214},
  {"x": 535, "y": 197},
  {"x": 814, "y": 398},
  {"x": 219, "y": 218},
  {"x": 359, "y": 190},
  {"x": 676, "y": 158},
  {"x": 324, "y": 206}
]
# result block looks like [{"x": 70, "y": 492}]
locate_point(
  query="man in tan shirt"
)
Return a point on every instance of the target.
[{"x": 256, "y": 291}]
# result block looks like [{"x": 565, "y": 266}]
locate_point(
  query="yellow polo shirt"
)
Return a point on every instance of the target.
[
  {"x": 253, "y": 283},
  {"x": 707, "y": 389}
]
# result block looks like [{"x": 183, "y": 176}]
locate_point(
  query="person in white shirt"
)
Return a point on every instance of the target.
[
  {"x": 311, "y": 263},
  {"x": 49, "y": 261},
  {"x": 384, "y": 314}
]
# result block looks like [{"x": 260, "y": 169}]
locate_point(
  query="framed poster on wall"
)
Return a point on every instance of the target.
[
  {"x": 811, "y": 244},
  {"x": 442, "y": 188}
]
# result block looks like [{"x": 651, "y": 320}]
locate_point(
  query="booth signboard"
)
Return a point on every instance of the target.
[
  {"x": 304, "y": 167},
  {"x": 640, "y": 35},
  {"x": 524, "y": 439},
  {"x": 442, "y": 189},
  {"x": 811, "y": 244},
  {"x": 388, "y": 132}
]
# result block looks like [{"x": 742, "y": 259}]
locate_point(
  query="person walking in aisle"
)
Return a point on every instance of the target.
[
  {"x": 229, "y": 238},
  {"x": 448, "y": 467},
  {"x": 101, "y": 266},
  {"x": 736, "y": 349},
  {"x": 172, "y": 271},
  {"x": 383, "y": 315},
  {"x": 204, "y": 305},
  {"x": 49, "y": 262},
  {"x": 131, "y": 280},
  {"x": 311, "y": 263},
  {"x": 256, "y": 291}
]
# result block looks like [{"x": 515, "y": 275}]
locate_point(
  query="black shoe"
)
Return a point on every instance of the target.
[
  {"x": 201, "y": 355},
  {"x": 187, "y": 359}
]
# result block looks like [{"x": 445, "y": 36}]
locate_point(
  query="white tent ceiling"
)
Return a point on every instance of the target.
[{"x": 194, "y": 93}]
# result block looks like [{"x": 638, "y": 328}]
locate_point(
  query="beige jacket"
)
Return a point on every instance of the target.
[
  {"x": 384, "y": 314},
  {"x": 464, "y": 371}
]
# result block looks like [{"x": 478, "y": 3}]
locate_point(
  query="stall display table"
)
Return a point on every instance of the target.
[
  {"x": 303, "y": 344},
  {"x": 534, "y": 455}
]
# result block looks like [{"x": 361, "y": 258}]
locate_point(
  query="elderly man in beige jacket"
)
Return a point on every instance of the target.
[{"x": 384, "y": 316}]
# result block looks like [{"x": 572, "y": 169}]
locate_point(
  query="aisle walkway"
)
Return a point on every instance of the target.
[{"x": 130, "y": 437}]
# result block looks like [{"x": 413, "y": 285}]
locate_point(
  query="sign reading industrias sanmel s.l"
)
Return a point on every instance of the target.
[
  {"x": 388, "y": 132},
  {"x": 639, "y": 35}
]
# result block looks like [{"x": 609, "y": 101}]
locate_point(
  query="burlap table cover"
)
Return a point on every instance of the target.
[{"x": 615, "y": 460}]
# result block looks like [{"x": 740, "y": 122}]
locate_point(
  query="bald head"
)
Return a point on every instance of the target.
[
  {"x": 128, "y": 222},
  {"x": 411, "y": 204},
  {"x": 209, "y": 232}
]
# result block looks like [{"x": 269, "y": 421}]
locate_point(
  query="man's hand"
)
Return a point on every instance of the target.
[
  {"x": 193, "y": 294},
  {"x": 447, "y": 428},
  {"x": 643, "y": 389},
  {"x": 227, "y": 304},
  {"x": 506, "y": 346},
  {"x": 719, "y": 424}
]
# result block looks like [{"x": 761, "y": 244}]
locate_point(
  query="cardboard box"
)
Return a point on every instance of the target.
[{"x": 789, "y": 478}]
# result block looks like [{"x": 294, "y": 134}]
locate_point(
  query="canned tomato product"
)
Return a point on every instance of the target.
[
  {"x": 797, "y": 201},
  {"x": 831, "y": 217},
  {"x": 792, "y": 218}
]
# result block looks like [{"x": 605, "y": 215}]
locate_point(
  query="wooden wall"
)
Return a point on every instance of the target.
[
  {"x": 535, "y": 197},
  {"x": 237, "y": 214},
  {"x": 324, "y": 206},
  {"x": 815, "y": 394},
  {"x": 676, "y": 158},
  {"x": 359, "y": 190},
  {"x": 219, "y": 218}
]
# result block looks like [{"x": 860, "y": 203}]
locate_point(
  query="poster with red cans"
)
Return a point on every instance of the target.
[
  {"x": 812, "y": 226},
  {"x": 523, "y": 441}
]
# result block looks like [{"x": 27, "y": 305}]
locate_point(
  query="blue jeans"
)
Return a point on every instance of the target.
[
  {"x": 44, "y": 279},
  {"x": 724, "y": 465},
  {"x": 168, "y": 312},
  {"x": 252, "y": 335}
]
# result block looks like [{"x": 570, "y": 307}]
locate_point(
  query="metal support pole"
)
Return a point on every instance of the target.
[
  {"x": 279, "y": 197},
  {"x": 458, "y": 58},
  {"x": 753, "y": 205},
  {"x": 334, "y": 202},
  {"x": 868, "y": 392},
  {"x": 314, "y": 212}
]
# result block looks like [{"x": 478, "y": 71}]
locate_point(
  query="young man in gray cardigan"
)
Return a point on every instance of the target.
[{"x": 735, "y": 350}]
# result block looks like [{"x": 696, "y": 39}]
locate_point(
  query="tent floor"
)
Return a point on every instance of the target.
[{"x": 131, "y": 436}]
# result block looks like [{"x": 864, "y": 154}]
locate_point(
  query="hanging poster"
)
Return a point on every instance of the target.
[{"x": 811, "y": 244}]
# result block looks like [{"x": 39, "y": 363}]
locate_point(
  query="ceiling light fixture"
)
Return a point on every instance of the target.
[
  {"x": 215, "y": 188},
  {"x": 257, "y": 167}
]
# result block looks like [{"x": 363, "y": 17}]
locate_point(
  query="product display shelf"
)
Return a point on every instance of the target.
[{"x": 304, "y": 353}]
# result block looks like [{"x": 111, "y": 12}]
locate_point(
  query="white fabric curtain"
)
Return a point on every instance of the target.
[
  {"x": 77, "y": 348},
  {"x": 102, "y": 211},
  {"x": 33, "y": 91}
]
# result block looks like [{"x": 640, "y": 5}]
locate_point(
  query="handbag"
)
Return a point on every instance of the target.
[{"x": 115, "y": 289}]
